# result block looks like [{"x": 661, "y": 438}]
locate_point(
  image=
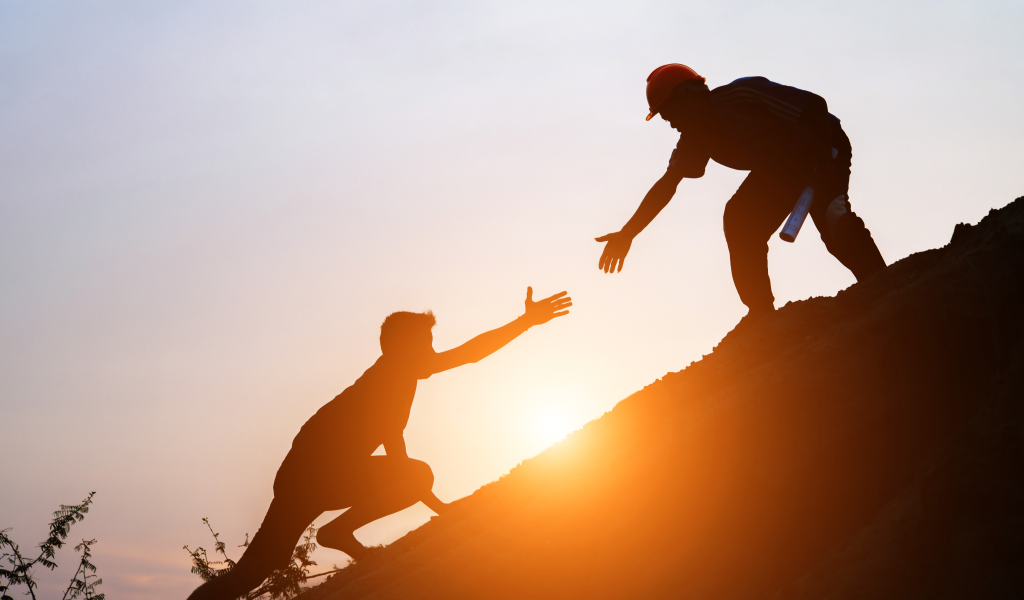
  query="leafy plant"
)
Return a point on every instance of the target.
[
  {"x": 201, "y": 563},
  {"x": 82, "y": 587},
  {"x": 285, "y": 582},
  {"x": 16, "y": 569}
]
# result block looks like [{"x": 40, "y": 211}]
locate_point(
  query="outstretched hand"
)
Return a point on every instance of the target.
[
  {"x": 542, "y": 311},
  {"x": 615, "y": 252}
]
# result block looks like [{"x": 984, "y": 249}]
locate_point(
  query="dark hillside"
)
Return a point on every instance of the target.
[{"x": 862, "y": 446}]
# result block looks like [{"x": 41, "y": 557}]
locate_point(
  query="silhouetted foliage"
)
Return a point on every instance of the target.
[
  {"x": 282, "y": 583},
  {"x": 201, "y": 563},
  {"x": 82, "y": 587},
  {"x": 17, "y": 569}
]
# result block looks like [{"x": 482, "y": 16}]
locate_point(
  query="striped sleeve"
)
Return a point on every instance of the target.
[{"x": 689, "y": 159}]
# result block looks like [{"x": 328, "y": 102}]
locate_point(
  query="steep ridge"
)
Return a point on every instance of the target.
[{"x": 862, "y": 446}]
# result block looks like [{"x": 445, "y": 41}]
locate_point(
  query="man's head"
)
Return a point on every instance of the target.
[
  {"x": 688, "y": 107},
  {"x": 407, "y": 334},
  {"x": 663, "y": 80}
]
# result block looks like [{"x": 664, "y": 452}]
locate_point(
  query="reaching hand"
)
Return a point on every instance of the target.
[
  {"x": 615, "y": 251},
  {"x": 542, "y": 311}
]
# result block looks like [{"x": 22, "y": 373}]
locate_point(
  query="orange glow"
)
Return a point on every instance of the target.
[
  {"x": 206, "y": 213},
  {"x": 551, "y": 426}
]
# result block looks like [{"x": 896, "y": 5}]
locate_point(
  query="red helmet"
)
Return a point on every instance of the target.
[{"x": 663, "y": 80}]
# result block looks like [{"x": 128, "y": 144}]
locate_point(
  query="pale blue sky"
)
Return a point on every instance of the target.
[{"x": 207, "y": 209}]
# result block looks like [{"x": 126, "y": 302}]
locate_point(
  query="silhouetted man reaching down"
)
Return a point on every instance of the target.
[
  {"x": 330, "y": 465},
  {"x": 787, "y": 139}
]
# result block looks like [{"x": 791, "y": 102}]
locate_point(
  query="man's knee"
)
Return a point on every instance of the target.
[
  {"x": 420, "y": 474},
  {"x": 744, "y": 229},
  {"x": 732, "y": 222},
  {"x": 827, "y": 219}
]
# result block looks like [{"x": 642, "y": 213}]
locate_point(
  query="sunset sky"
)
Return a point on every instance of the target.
[{"x": 207, "y": 209}]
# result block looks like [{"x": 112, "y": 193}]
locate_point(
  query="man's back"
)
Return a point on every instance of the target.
[
  {"x": 358, "y": 420},
  {"x": 753, "y": 123}
]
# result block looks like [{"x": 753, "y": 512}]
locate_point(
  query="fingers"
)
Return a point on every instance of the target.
[
  {"x": 554, "y": 305},
  {"x": 603, "y": 262},
  {"x": 529, "y": 294},
  {"x": 560, "y": 306},
  {"x": 553, "y": 297},
  {"x": 558, "y": 313},
  {"x": 614, "y": 255}
]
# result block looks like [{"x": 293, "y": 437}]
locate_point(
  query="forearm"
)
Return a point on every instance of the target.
[
  {"x": 485, "y": 344},
  {"x": 656, "y": 199},
  {"x": 489, "y": 342},
  {"x": 396, "y": 447}
]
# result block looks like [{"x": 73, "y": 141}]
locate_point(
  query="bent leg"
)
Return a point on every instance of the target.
[
  {"x": 270, "y": 549},
  {"x": 843, "y": 232},
  {"x": 385, "y": 486},
  {"x": 434, "y": 503},
  {"x": 848, "y": 239},
  {"x": 756, "y": 210}
]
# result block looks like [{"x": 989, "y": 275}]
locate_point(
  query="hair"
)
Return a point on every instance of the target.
[{"x": 398, "y": 327}]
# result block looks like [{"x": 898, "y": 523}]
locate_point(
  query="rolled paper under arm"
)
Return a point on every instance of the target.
[{"x": 797, "y": 217}]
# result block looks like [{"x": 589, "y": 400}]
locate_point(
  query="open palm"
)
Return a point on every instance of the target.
[
  {"x": 542, "y": 311},
  {"x": 615, "y": 251}
]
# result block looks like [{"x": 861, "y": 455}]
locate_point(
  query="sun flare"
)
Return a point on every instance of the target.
[{"x": 552, "y": 427}]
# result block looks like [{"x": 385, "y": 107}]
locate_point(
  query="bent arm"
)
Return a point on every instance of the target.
[
  {"x": 395, "y": 446},
  {"x": 656, "y": 199}
]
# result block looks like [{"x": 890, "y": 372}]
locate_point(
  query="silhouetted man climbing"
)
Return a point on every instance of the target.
[
  {"x": 787, "y": 139},
  {"x": 330, "y": 465}
]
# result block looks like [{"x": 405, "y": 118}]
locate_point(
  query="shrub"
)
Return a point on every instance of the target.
[
  {"x": 18, "y": 570},
  {"x": 282, "y": 583}
]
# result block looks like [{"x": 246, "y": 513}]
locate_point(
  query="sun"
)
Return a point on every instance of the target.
[{"x": 551, "y": 427}]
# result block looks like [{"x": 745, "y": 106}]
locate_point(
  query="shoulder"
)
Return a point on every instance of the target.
[
  {"x": 743, "y": 81},
  {"x": 357, "y": 389},
  {"x": 756, "y": 83},
  {"x": 784, "y": 101},
  {"x": 393, "y": 366}
]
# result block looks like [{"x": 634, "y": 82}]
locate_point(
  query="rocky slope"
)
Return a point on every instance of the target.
[{"x": 862, "y": 446}]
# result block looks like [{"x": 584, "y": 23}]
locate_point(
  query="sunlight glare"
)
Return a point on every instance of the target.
[{"x": 552, "y": 427}]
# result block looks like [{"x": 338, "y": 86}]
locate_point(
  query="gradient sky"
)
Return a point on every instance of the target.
[{"x": 206, "y": 210}]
